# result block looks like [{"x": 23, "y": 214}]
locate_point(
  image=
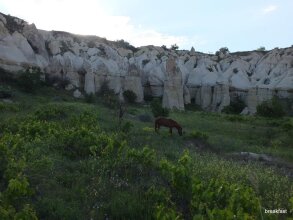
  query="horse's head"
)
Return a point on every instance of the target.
[{"x": 180, "y": 131}]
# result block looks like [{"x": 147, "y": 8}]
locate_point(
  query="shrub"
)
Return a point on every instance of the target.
[
  {"x": 148, "y": 97},
  {"x": 223, "y": 50},
  {"x": 91, "y": 44},
  {"x": 164, "y": 47},
  {"x": 261, "y": 48},
  {"x": 174, "y": 47},
  {"x": 190, "y": 198},
  {"x": 30, "y": 79},
  {"x": 90, "y": 98},
  {"x": 5, "y": 92},
  {"x": 56, "y": 81},
  {"x": 129, "y": 96},
  {"x": 193, "y": 107},
  {"x": 271, "y": 108},
  {"x": 157, "y": 109},
  {"x": 5, "y": 76},
  {"x": 235, "y": 107},
  {"x": 126, "y": 45}
]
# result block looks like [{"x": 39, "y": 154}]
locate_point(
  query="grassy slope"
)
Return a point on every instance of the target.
[{"x": 226, "y": 134}]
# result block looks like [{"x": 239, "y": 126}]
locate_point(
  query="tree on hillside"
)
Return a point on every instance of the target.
[
  {"x": 223, "y": 50},
  {"x": 174, "y": 47},
  {"x": 261, "y": 48}
]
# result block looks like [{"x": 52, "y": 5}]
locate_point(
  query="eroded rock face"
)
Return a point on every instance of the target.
[
  {"x": 173, "y": 86},
  {"x": 180, "y": 77}
]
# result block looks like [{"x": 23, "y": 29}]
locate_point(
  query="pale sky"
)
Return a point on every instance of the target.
[{"x": 207, "y": 25}]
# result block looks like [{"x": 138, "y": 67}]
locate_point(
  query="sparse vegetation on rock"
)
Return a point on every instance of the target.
[
  {"x": 261, "y": 48},
  {"x": 174, "y": 47}
]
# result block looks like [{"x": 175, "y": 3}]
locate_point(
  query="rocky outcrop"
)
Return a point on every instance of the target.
[
  {"x": 173, "y": 86},
  {"x": 179, "y": 77}
]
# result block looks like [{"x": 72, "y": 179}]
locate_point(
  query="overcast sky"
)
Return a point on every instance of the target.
[{"x": 207, "y": 25}]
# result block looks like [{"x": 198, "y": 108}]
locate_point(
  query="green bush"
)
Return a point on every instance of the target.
[
  {"x": 30, "y": 79},
  {"x": 158, "y": 110},
  {"x": 174, "y": 47},
  {"x": 5, "y": 92},
  {"x": 148, "y": 98},
  {"x": 129, "y": 96},
  {"x": 90, "y": 98},
  {"x": 193, "y": 107},
  {"x": 57, "y": 81},
  {"x": 6, "y": 76},
  {"x": 186, "y": 197},
  {"x": 235, "y": 107},
  {"x": 223, "y": 50},
  {"x": 271, "y": 108}
]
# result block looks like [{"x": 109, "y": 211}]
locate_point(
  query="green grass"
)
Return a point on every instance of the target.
[{"x": 89, "y": 178}]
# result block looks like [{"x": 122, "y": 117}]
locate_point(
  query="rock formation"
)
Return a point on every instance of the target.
[{"x": 178, "y": 76}]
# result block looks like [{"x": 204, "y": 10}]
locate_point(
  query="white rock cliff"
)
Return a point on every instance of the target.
[{"x": 179, "y": 77}]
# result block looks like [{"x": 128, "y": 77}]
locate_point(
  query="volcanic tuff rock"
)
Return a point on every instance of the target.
[{"x": 180, "y": 77}]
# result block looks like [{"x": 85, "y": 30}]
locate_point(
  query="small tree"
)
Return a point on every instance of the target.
[
  {"x": 222, "y": 50},
  {"x": 164, "y": 47},
  {"x": 30, "y": 79},
  {"x": 174, "y": 47},
  {"x": 261, "y": 48},
  {"x": 129, "y": 96},
  {"x": 235, "y": 107},
  {"x": 271, "y": 108},
  {"x": 157, "y": 108}
]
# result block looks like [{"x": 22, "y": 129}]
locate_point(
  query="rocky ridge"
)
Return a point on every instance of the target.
[{"x": 178, "y": 76}]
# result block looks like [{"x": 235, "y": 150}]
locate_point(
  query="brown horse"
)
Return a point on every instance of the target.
[{"x": 167, "y": 123}]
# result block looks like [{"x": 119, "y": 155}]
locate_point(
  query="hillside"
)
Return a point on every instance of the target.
[
  {"x": 63, "y": 158},
  {"x": 210, "y": 81}
]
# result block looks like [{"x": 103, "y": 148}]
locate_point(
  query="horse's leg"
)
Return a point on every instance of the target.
[
  {"x": 157, "y": 127},
  {"x": 170, "y": 130}
]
